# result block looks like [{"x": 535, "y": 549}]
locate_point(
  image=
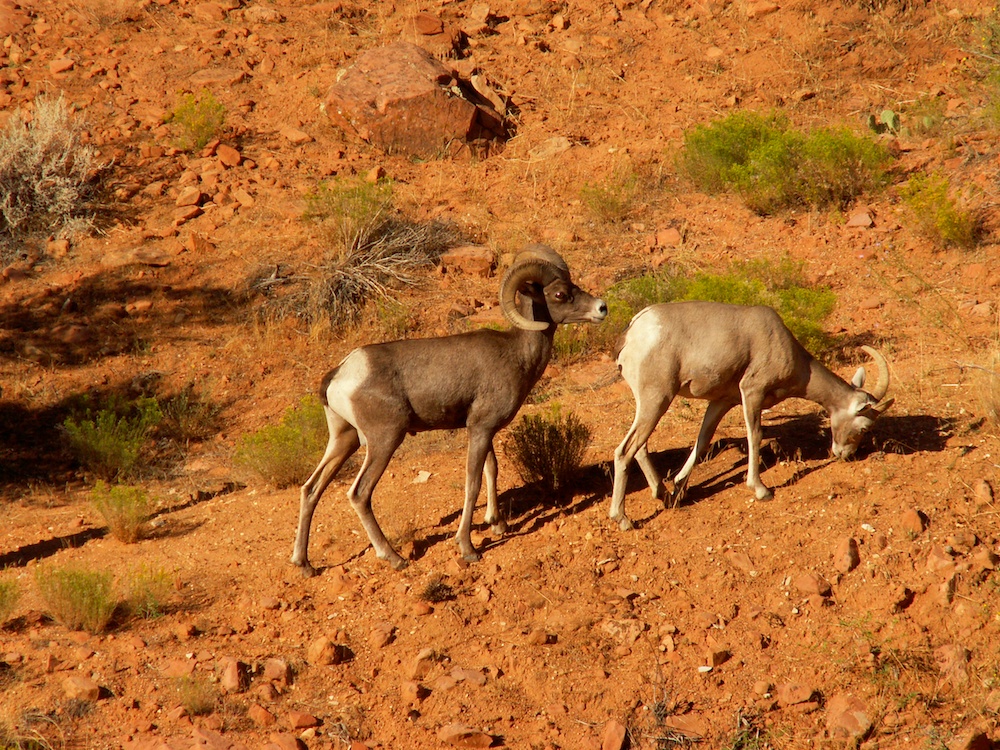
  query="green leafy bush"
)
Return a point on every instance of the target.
[
  {"x": 10, "y": 594},
  {"x": 48, "y": 176},
  {"x": 286, "y": 454},
  {"x": 110, "y": 442},
  {"x": 939, "y": 215},
  {"x": 198, "y": 119},
  {"x": 773, "y": 167},
  {"x": 548, "y": 449},
  {"x": 79, "y": 599},
  {"x": 124, "y": 509}
]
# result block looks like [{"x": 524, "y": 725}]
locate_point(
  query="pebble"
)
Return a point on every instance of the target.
[
  {"x": 913, "y": 522},
  {"x": 80, "y": 687},
  {"x": 846, "y": 557},
  {"x": 277, "y": 670},
  {"x": 790, "y": 693},
  {"x": 847, "y": 717},
  {"x": 812, "y": 583},
  {"x": 298, "y": 720},
  {"x": 260, "y": 715},
  {"x": 461, "y": 735},
  {"x": 613, "y": 736},
  {"x": 324, "y": 652}
]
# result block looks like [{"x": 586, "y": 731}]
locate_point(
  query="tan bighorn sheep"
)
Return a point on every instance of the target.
[
  {"x": 477, "y": 380},
  {"x": 728, "y": 355}
]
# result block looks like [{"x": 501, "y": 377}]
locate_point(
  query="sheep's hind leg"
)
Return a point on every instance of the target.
[
  {"x": 714, "y": 413},
  {"x": 343, "y": 443},
  {"x": 360, "y": 495},
  {"x": 480, "y": 448}
]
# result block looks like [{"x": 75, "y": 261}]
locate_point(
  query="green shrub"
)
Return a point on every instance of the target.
[
  {"x": 347, "y": 208},
  {"x": 188, "y": 416},
  {"x": 48, "y": 176},
  {"x": 124, "y": 509},
  {"x": 614, "y": 199},
  {"x": 148, "y": 591},
  {"x": 286, "y": 454},
  {"x": 10, "y": 594},
  {"x": 110, "y": 442},
  {"x": 773, "y": 167},
  {"x": 198, "y": 119},
  {"x": 79, "y": 599},
  {"x": 548, "y": 449},
  {"x": 937, "y": 213}
]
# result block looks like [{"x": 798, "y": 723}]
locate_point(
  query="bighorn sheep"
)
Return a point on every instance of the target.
[
  {"x": 477, "y": 380},
  {"x": 727, "y": 355}
]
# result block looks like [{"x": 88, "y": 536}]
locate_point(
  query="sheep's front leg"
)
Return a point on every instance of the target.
[
  {"x": 497, "y": 522},
  {"x": 480, "y": 448},
  {"x": 714, "y": 413},
  {"x": 752, "y": 407}
]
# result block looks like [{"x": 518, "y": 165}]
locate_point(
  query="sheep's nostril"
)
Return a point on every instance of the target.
[{"x": 602, "y": 308}]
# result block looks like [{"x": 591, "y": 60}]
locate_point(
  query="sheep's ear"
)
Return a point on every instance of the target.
[{"x": 859, "y": 378}]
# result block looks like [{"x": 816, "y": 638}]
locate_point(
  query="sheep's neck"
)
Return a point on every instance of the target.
[{"x": 825, "y": 388}]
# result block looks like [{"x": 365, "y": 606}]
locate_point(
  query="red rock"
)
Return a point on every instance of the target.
[
  {"x": 287, "y": 742},
  {"x": 790, "y": 693},
  {"x": 812, "y": 583},
  {"x": 62, "y": 65},
  {"x": 400, "y": 98},
  {"x": 79, "y": 687},
  {"x": 461, "y": 735},
  {"x": 846, "y": 557},
  {"x": 847, "y": 717},
  {"x": 613, "y": 736},
  {"x": 277, "y": 670},
  {"x": 179, "y": 668},
  {"x": 298, "y": 720},
  {"x": 228, "y": 155},
  {"x": 235, "y": 676},
  {"x": 260, "y": 715},
  {"x": 760, "y": 8},
  {"x": 381, "y": 635},
  {"x": 323, "y": 652},
  {"x": 427, "y": 24},
  {"x": 471, "y": 676},
  {"x": 474, "y": 260},
  {"x": 412, "y": 692},
  {"x": 691, "y": 726},
  {"x": 189, "y": 196}
]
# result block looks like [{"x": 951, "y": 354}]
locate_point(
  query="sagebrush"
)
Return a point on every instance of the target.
[
  {"x": 285, "y": 454},
  {"x": 125, "y": 510},
  {"x": 49, "y": 177},
  {"x": 198, "y": 118},
  {"x": 548, "y": 449},
  {"x": 79, "y": 599},
  {"x": 111, "y": 441}
]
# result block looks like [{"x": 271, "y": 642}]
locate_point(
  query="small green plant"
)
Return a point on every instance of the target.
[
  {"x": 198, "y": 119},
  {"x": 110, "y": 441},
  {"x": 614, "y": 199},
  {"x": 48, "y": 176},
  {"x": 348, "y": 207},
  {"x": 188, "y": 416},
  {"x": 10, "y": 594},
  {"x": 124, "y": 509},
  {"x": 148, "y": 590},
  {"x": 887, "y": 122},
  {"x": 772, "y": 166},
  {"x": 926, "y": 115},
  {"x": 198, "y": 697},
  {"x": 548, "y": 449},
  {"x": 79, "y": 599},
  {"x": 285, "y": 454},
  {"x": 939, "y": 215}
]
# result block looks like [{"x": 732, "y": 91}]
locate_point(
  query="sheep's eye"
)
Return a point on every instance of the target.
[{"x": 561, "y": 296}]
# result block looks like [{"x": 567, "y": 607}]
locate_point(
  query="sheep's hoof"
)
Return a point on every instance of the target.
[
  {"x": 499, "y": 528},
  {"x": 659, "y": 492},
  {"x": 624, "y": 524},
  {"x": 308, "y": 571},
  {"x": 763, "y": 494},
  {"x": 472, "y": 557},
  {"x": 399, "y": 563}
]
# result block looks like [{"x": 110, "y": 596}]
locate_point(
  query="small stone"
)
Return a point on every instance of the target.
[
  {"x": 422, "y": 664},
  {"x": 324, "y": 652},
  {"x": 471, "y": 676},
  {"x": 286, "y": 742},
  {"x": 179, "y": 668},
  {"x": 412, "y": 692},
  {"x": 461, "y": 735},
  {"x": 189, "y": 196},
  {"x": 427, "y": 24},
  {"x": 847, "y": 717},
  {"x": 761, "y": 8},
  {"x": 382, "y": 634},
  {"x": 299, "y": 720},
  {"x": 860, "y": 219},
  {"x": 260, "y": 715},
  {"x": 235, "y": 676},
  {"x": 846, "y": 557},
  {"x": 791, "y": 693},
  {"x": 295, "y": 136},
  {"x": 79, "y": 687},
  {"x": 474, "y": 260},
  {"x": 62, "y": 65},
  {"x": 375, "y": 174},
  {"x": 913, "y": 522},
  {"x": 984, "y": 491},
  {"x": 952, "y": 661},
  {"x": 812, "y": 583},
  {"x": 227, "y": 155},
  {"x": 420, "y": 608},
  {"x": 613, "y": 736},
  {"x": 277, "y": 670},
  {"x": 669, "y": 237}
]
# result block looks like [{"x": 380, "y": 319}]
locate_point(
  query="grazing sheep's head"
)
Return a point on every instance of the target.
[{"x": 849, "y": 425}]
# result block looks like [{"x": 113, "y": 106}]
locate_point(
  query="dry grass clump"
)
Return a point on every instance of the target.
[
  {"x": 79, "y": 599},
  {"x": 124, "y": 509},
  {"x": 48, "y": 176}
]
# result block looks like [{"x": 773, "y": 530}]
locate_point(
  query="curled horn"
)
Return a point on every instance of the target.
[
  {"x": 882, "y": 384},
  {"x": 535, "y": 263}
]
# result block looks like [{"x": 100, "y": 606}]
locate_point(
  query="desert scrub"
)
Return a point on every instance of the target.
[
  {"x": 197, "y": 119},
  {"x": 198, "y": 697},
  {"x": 48, "y": 176},
  {"x": 79, "y": 599},
  {"x": 548, "y": 449},
  {"x": 188, "y": 416},
  {"x": 147, "y": 592},
  {"x": 940, "y": 217},
  {"x": 773, "y": 167},
  {"x": 10, "y": 594},
  {"x": 110, "y": 441},
  {"x": 285, "y": 454},
  {"x": 614, "y": 199},
  {"x": 371, "y": 252},
  {"x": 124, "y": 509}
]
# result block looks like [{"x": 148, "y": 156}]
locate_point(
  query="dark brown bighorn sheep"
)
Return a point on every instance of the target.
[
  {"x": 729, "y": 355},
  {"x": 477, "y": 380}
]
